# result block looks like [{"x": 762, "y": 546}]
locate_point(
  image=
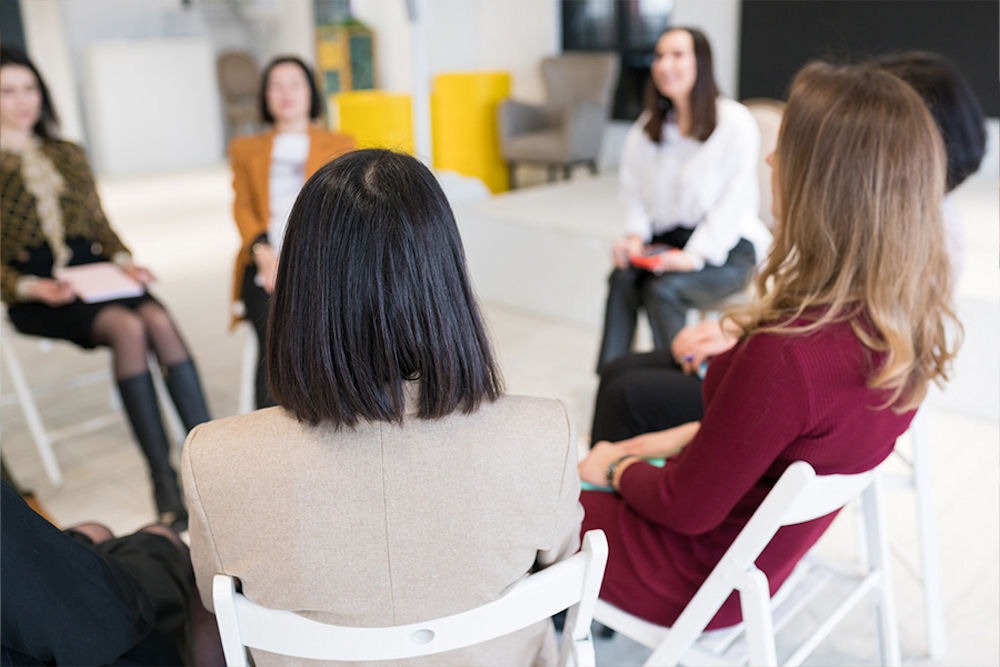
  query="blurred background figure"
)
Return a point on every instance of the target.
[
  {"x": 268, "y": 172},
  {"x": 689, "y": 175},
  {"x": 52, "y": 218}
]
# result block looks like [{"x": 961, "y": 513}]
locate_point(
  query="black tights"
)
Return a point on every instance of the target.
[{"x": 132, "y": 333}]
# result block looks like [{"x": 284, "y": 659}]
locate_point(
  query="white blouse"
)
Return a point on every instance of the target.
[
  {"x": 710, "y": 186},
  {"x": 287, "y": 176}
]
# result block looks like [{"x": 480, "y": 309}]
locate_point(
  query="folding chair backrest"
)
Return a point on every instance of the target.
[
  {"x": 799, "y": 495},
  {"x": 574, "y": 582}
]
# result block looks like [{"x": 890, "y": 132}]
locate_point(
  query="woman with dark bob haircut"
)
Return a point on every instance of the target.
[{"x": 394, "y": 482}]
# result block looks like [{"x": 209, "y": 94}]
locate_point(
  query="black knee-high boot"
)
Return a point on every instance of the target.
[
  {"x": 185, "y": 391},
  {"x": 139, "y": 398}
]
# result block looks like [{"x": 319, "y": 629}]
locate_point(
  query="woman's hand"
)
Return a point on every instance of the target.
[
  {"x": 51, "y": 292},
  {"x": 267, "y": 266},
  {"x": 660, "y": 444},
  {"x": 624, "y": 249},
  {"x": 139, "y": 273},
  {"x": 594, "y": 467},
  {"x": 698, "y": 343}
]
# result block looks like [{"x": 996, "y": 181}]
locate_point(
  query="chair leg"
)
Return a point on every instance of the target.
[
  {"x": 592, "y": 165},
  {"x": 567, "y": 172},
  {"x": 24, "y": 399},
  {"x": 878, "y": 553},
  {"x": 512, "y": 175},
  {"x": 933, "y": 597},
  {"x": 552, "y": 173},
  {"x": 755, "y": 601},
  {"x": 248, "y": 371}
]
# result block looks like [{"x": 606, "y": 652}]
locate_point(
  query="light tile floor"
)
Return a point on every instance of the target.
[{"x": 180, "y": 225}]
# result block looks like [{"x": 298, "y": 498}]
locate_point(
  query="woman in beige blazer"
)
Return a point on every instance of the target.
[
  {"x": 396, "y": 482},
  {"x": 268, "y": 171}
]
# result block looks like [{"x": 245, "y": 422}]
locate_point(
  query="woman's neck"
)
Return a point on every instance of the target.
[
  {"x": 15, "y": 139},
  {"x": 298, "y": 126},
  {"x": 682, "y": 108}
]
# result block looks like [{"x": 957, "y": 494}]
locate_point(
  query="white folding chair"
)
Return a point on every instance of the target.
[
  {"x": 569, "y": 584},
  {"x": 799, "y": 495},
  {"x": 25, "y": 396},
  {"x": 919, "y": 482}
]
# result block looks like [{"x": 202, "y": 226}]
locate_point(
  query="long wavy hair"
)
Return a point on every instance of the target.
[{"x": 860, "y": 176}]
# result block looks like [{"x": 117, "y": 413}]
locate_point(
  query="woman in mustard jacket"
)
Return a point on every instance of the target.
[{"x": 268, "y": 171}]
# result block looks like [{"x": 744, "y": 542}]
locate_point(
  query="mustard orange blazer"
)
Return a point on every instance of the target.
[{"x": 250, "y": 159}]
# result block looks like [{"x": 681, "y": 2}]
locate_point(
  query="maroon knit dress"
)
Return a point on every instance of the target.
[{"x": 770, "y": 401}]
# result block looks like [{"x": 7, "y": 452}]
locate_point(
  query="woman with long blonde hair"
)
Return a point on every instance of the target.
[{"x": 853, "y": 323}]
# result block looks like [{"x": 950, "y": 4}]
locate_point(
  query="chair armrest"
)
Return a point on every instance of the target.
[
  {"x": 584, "y": 124},
  {"x": 516, "y": 118}
]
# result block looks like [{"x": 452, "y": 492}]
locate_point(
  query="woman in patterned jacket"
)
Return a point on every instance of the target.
[{"x": 52, "y": 218}]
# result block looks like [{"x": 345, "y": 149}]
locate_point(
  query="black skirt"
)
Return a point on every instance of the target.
[{"x": 73, "y": 322}]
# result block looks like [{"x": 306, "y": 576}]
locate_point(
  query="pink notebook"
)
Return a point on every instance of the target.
[{"x": 100, "y": 281}]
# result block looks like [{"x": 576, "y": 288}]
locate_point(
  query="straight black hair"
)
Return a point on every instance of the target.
[
  {"x": 48, "y": 120},
  {"x": 952, "y": 103},
  {"x": 315, "y": 100},
  {"x": 371, "y": 293},
  {"x": 703, "y": 95}
]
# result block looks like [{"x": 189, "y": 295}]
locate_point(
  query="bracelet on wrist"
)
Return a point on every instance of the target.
[{"x": 609, "y": 474}]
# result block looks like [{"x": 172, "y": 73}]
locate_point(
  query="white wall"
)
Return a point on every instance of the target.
[
  {"x": 464, "y": 35},
  {"x": 720, "y": 21},
  {"x": 48, "y": 48}
]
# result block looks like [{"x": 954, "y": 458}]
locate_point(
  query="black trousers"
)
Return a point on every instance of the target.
[
  {"x": 640, "y": 393},
  {"x": 257, "y": 303},
  {"x": 667, "y": 297}
]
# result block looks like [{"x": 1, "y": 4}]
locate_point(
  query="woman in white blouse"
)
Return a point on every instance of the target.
[
  {"x": 689, "y": 176},
  {"x": 268, "y": 172}
]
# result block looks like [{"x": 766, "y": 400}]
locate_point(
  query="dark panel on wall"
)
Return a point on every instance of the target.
[
  {"x": 629, "y": 28},
  {"x": 11, "y": 28},
  {"x": 778, "y": 37}
]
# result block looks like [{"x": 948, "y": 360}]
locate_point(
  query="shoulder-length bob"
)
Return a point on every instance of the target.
[
  {"x": 48, "y": 120},
  {"x": 952, "y": 103},
  {"x": 372, "y": 293},
  {"x": 703, "y": 95},
  {"x": 859, "y": 180},
  {"x": 315, "y": 101}
]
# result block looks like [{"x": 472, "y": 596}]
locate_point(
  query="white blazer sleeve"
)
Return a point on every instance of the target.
[{"x": 738, "y": 200}]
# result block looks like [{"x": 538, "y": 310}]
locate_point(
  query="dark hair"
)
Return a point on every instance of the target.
[
  {"x": 952, "y": 103},
  {"x": 315, "y": 101},
  {"x": 48, "y": 120},
  {"x": 371, "y": 292},
  {"x": 703, "y": 95}
]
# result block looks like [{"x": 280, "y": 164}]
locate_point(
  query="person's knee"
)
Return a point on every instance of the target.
[
  {"x": 156, "y": 319},
  {"x": 620, "y": 279},
  {"x": 121, "y": 329},
  {"x": 668, "y": 288},
  {"x": 96, "y": 532},
  {"x": 163, "y": 531}
]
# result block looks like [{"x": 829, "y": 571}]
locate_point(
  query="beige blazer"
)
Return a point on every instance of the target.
[{"x": 386, "y": 524}]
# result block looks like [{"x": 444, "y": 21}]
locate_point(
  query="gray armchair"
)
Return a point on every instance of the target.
[{"x": 566, "y": 130}]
